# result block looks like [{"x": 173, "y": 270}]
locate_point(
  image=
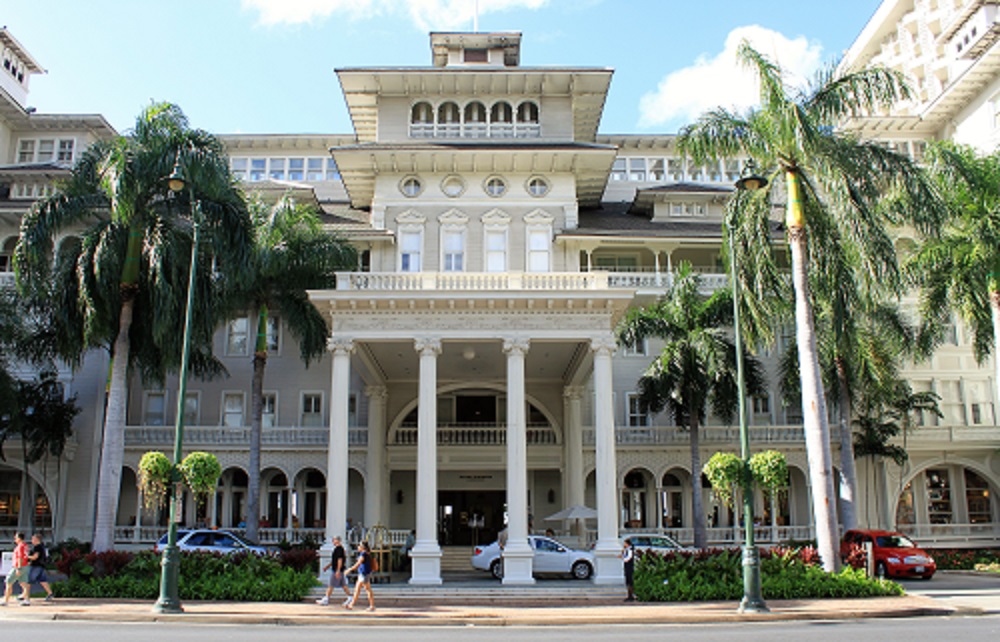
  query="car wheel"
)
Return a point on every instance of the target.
[
  {"x": 881, "y": 571},
  {"x": 581, "y": 570},
  {"x": 496, "y": 569}
]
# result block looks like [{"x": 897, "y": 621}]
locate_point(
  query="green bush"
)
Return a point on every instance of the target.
[
  {"x": 962, "y": 559},
  {"x": 718, "y": 575},
  {"x": 202, "y": 576}
]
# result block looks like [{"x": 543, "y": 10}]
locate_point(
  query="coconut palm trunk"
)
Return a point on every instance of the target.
[
  {"x": 848, "y": 482},
  {"x": 256, "y": 425},
  {"x": 697, "y": 503},
  {"x": 113, "y": 445},
  {"x": 814, "y": 415},
  {"x": 995, "y": 308}
]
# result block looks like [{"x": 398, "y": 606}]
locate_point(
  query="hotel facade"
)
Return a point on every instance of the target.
[{"x": 472, "y": 378}]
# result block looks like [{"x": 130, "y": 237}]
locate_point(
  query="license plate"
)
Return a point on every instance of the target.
[{"x": 918, "y": 569}]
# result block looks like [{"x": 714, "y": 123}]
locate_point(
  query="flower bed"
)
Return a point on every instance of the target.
[
  {"x": 963, "y": 559},
  {"x": 203, "y": 576},
  {"x": 717, "y": 574}
]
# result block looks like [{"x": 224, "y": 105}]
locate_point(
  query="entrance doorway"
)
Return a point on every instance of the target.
[{"x": 470, "y": 517}]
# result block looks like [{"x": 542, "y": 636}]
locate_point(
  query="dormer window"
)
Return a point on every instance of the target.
[{"x": 476, "y": 55}]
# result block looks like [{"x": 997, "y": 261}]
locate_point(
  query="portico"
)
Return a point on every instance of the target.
[{"x": 549, "y": 338}]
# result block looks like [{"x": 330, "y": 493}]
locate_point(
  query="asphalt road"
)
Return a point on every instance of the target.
[
  {"x": 960, "y": 590},
  {"x": 966, "y": 629}
]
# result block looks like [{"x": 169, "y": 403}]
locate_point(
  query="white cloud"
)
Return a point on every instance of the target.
[
  {"x": 720, "y": 81},
  {"x": 425, "y": 14}
]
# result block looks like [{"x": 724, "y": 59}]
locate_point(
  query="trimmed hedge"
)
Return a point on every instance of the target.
[
  {"x": 963, "y": 559},
  {"x": 203, "y": 576},
  {"x": 717, "y": 574}
]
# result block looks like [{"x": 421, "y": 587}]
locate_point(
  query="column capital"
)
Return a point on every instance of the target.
[
  {"x": 427, "y": 346},
  {"x": 604, "y": 345},
  {"x": 573, "y": 393},
  {"x": 340, "y": 345},
  {"x": 516, "y": 344},
  {"x": 377, "y": 392}
]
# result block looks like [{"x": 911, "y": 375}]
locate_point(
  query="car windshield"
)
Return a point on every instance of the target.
[{"x": 894, "y": 541}]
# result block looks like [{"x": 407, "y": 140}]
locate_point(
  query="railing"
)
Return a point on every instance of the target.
[
  {"x": 485, "y": 434},
  {"x": 149, "y": 535},
  {"x": 7, "y": 280},
  {"x": 278, "y": 437},
  {"x": 672, "y": 435},
  {"x": 475, "y": 130},
  {"x": 710, "y": 282},
  {"x": 952, "y": 534},
  {"x": 471, "y": 281}
]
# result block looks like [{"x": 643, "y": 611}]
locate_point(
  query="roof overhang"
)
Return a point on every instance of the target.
[
  {"x": 360, "y": 164},
  {"x": 587, "y": 88}
]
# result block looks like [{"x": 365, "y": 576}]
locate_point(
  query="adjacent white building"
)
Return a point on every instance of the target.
[{"x": 472, "y": 378}]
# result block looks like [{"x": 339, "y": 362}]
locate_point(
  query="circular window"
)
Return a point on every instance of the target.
[
  {"x": 495, "y": 186},
  {"x": 537, "y": 186},
  {"x": 411, "y": 186},
  {"x": 452, "y": 186}
]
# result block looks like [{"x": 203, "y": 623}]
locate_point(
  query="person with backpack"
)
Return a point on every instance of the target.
[
  {"x": 365, "y": 565},
  {"x": 38, "y": 557}
]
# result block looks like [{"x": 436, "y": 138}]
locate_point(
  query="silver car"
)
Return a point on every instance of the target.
[
  {"x": 550, "y": 557},
  {"x": 655, "y": 542},
  {"x": 211, "y": 541}
]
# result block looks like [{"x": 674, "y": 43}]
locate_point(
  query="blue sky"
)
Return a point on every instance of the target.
[{"x": 266, "y": 66}]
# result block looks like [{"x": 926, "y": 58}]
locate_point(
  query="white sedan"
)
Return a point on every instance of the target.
[
  {"x": 550, "y": 557},
  {"x": 656, "y": 542}
]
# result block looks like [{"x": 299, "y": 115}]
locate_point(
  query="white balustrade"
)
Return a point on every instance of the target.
[{"x": 239, "y": 437}]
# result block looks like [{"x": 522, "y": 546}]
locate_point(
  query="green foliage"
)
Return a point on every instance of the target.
[
  {"x": 769, "y": 469},
  {"x": 201, "y": 471},
  {"x": 963, "y": 559},
  {"x": 203, "y": 576},
  {"x": 155, "y": 472},
  {"x": 717, "y": 575},
  {"x": 724, "y": 472}
]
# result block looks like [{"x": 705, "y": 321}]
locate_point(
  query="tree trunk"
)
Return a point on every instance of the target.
[
  {"x": 995, "y": 306},
  {"x": 697, "y": 505},
  {"x": 814, "y": 416},
  {"x": 113, "y": 444},
  {"x": 256, "y": 416},
  {"x": 848, "y": 475}
]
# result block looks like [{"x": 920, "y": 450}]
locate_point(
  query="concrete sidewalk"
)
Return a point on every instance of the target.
[{"x": 397, "y": 611}]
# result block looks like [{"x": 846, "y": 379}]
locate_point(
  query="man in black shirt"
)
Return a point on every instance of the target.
[
  {"x": 338, "y": 577},
  {"x": 37, "y": 557}
]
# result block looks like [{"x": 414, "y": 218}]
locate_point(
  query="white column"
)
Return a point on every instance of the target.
[
  {"x": 426, "y": 553},
  {"x": 336, "y": 462},
  {"x": 375, "y": 460},
  {"x": 574, "y": 482},
  {"x": 517, "y": 554},
  {"x": 608, "y": 565},
  {"x": 138, "y": 517}
]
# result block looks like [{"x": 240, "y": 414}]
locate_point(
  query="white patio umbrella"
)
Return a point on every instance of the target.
[{"x": 573, "y": 512}]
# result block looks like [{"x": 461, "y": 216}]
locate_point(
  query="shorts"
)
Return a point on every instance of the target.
[
  {"x": 337, "y": 579},
  {"x": 17, "y": 575},
  {"x": 364, "y": 579},
  {"x": 37, "y": 574}
]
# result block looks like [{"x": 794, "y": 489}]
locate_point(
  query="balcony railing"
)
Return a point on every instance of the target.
[
  {"x": 471, "y": 281},
  {"x": 475, "y": 130},
  {"x": 476, "y": 434},
  {"x": 223, "y": 436},
  {"x": 7, "y": 280},
  {"x": 672, "y": 435}
]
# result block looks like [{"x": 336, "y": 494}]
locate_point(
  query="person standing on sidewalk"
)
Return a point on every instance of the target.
[
  {"x": 38, "y": 557},
  {"x": 365, "y": 566},
  {"x": 628, "y": 558},
  {"x": 18, "y": 574},
  {"x": 338, "y": 574}
]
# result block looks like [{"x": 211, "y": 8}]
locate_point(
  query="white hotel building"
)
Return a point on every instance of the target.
[{"x": 472, "y": 367}]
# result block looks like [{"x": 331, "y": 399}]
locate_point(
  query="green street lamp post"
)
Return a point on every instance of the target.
[
  {"x": 753, "y": 601},
  {"x": 169, "y": 600}
]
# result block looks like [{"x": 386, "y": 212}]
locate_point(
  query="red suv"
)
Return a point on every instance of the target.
[{"x": 895, "y": 554}]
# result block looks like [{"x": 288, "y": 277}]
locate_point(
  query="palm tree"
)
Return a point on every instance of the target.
[
  {"x": 291, "y": 254},
  {"x": 960, "y": 269},
  {"x": 834, "y": 187},
  {"x": 126, "y": 278},
  {"x": 695, "y": 368},
  {"x": 861, "y": 347}
]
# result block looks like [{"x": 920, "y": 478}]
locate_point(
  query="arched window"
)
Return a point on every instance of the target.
[
  {"x": 422, "y": 120},
  {"x": 527, "y": 112},
  {"x": 501, "y": 120},
  {"x": 422, "y": 113},
  {"x": 475, "y": 120},
  {"x": 449, "y": 120}
]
